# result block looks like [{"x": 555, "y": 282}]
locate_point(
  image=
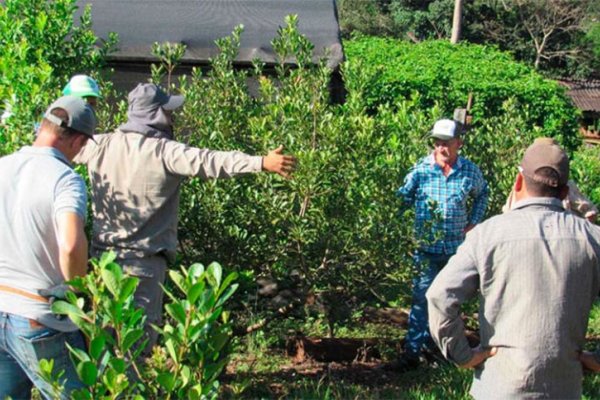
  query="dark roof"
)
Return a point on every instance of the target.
[
  {"x": 198, "y": 23},
  {"x": 584, "y": 93}
]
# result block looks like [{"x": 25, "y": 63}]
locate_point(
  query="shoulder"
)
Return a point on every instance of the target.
[
  {"x": 424, "y": 164},
  {"x": 470, "y": 167}
]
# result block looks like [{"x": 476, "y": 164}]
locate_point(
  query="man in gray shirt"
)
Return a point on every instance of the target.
[
  {"x": 135, "y": 175},
  {"x": 537, "y": 272},
  {"x": 42, "y": 244}
]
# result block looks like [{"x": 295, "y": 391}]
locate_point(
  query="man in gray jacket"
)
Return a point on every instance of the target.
[
  {"x": 537, "y": 272},
  {"x": 135, "y": 175}
]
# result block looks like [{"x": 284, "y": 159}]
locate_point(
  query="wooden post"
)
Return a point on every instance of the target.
[{"x": 456, "y": 21}]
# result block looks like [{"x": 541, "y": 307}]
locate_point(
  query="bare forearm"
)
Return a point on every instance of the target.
[
  {"x": 73, "y": 261},
  {"x": 73, "y": 245}
]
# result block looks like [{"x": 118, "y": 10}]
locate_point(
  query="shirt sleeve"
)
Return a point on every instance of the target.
[
  {"x": 181, "y": 159},
  {"x": 409, "y": 189},
  {"x": 480, "y": 194},
  {"x": 86, "y": 152},
  {"x": 70, "y": 196},
  {"x": 457, "y": 282}
]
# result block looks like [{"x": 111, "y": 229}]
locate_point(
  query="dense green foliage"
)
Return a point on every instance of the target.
[
  {"x": 41, "y": 47},
  {"x": 193, "y": 339},
  {"x": 436, "y": 72},
  {"x": 334, "y": 231},
  {"x": 556, "y": 37}
]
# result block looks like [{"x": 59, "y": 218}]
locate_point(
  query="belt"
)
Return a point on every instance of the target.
[{"x": 23, "y": 293}]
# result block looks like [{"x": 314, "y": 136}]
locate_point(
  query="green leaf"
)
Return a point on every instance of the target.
[
  {"x": 106, "y": 258},
  {"x": 215, "y": 271},
  {"x": 166, "y": 380},
  {"x": 111, "y": 281},
  {"x": 170, "y": 345},
  {"x": 117, "y": 364},
  {"x": 185, "y": 375},
  {"x": 196, "y": 270},
  {"x": 87, "y": 372},
  {"x": 176, "y": 311},
  {"x": 230, "y": 291},
  {"x": 78, "y": 354},
  {"x": 195, "y": 291},
  {"x": 128, "y": 286},
  {"x": 195, "y": 393},
  {"x": 64, "y": 308},
  {"x": 131, "y": 337},
  {"x": 179, "y": 280},
  {"x": 230, "y": 278},
  {"x": 96, "y": 347}
]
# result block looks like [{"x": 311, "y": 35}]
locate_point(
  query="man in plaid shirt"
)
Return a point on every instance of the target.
[{"x": 439, "y": 186}]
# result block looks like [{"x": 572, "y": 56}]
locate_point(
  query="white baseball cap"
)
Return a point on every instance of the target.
[{"x": 445, "y": 129}]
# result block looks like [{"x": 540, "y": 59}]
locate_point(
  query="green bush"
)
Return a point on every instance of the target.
[
  {"x": 192, "y": 350},
  {"x": 585, "y": 170},
  {"x": 437, "y": 72},
  {"x": 41, "y": 47}
]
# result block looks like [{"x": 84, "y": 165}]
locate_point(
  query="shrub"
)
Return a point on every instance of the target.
[
  {"x": 40, "y": 49},
  {"x": 193, "y": 343},
  {"x": 444, "y": 74}
]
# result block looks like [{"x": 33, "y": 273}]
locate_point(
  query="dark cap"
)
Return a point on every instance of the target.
[
  {"x": 81, "y": 117},
  {"x": 148, "y": 96},
  {"x": 546, "y": 153}
]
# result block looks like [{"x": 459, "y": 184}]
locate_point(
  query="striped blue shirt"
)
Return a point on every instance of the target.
[{"x": 441, "y": 214}]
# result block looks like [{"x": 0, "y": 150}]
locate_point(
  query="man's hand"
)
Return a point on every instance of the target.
[
  {"x": 279, "y": 163},
  {"x": 479, "y": 356},
  {"x": 589, "y": 361}
]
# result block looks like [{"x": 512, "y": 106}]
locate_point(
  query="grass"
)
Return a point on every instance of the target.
[{"x": 260, "y": 370}]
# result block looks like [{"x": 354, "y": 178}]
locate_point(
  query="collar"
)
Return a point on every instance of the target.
[
  {"x": 45, "y": 151},
  {"x": 543, "y": 202}
]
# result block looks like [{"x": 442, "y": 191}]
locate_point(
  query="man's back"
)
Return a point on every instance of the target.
[
  {"x": 538, "y": 272},
  {"x": 36, "y": 185},
  {"x": 135, "y": 188}
]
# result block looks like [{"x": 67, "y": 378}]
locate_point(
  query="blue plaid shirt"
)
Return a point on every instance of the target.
[{"x": 441, "y": 202}]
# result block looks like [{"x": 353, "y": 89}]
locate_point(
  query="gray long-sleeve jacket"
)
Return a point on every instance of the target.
[
  {"x": 135, "y": 188},
  {"x": 537, "y": 272}
]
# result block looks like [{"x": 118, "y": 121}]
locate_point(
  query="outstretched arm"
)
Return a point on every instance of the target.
[{"x": 183, "y": 160}]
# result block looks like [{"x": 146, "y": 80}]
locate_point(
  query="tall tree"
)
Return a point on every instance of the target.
[{"x": 549, "y": 27}]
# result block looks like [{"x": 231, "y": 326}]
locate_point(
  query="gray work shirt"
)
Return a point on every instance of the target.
[
  {"x": 537, "y": 272},
  {"x": 135, "y": 184},
  {"x": 37, "y": 184}
]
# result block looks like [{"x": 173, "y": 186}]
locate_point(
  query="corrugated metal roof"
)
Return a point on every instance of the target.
[
  {"x": 198, "y": 23},
  {"x": 584, "y": 93}
]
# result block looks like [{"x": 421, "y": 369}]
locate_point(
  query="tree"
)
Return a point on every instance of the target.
[
  {"x": 369, "y": 17},
  {"x": 550, "y": 28}
]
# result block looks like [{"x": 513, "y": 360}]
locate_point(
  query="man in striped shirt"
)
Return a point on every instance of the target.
[{"x": 439, "y": 186}]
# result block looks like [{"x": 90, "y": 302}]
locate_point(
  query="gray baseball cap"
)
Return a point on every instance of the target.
[
  {"x": 148, "y": 96},
  {"x": 81, "y": 115}
]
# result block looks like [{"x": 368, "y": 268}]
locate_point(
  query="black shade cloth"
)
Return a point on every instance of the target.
[{"x": 197, "y": 24}]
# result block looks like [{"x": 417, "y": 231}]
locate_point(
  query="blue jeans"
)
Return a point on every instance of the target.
[
  {"x": 427, "y": 267},
  {"x": 23, "y": 343}
]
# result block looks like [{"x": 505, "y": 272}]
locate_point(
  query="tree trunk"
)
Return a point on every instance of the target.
[{"x": 456, "y": 21}]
